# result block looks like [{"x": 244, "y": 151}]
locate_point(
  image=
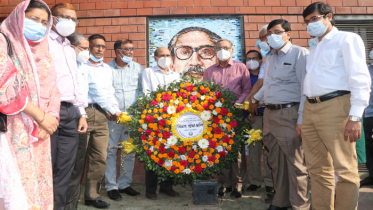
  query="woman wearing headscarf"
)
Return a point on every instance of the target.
[{"x": 30, "y": 98}]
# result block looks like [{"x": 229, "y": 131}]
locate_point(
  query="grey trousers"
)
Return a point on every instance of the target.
[{"x": 117, "y": 135}]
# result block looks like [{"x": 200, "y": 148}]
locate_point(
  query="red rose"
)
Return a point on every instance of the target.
[
  {"x": 178, "y": 94},
  {"x": 191, "y": 154},
  {"x": 160, "y": 162},
  {"x": 203, "y": 91},
  {"x": 143, "y": 137},
  {"x": 166, "y": 134},
  {"x": 184, "y": 95},
  {"x": 173, "y": 168},
  {"x": 198, "y": 169},
  {"x": 222, "y": 154},
  {"x": 157, "y": 132},
  {"x": 182, "y": 150},
  {"x": 218, "y": 95},
  {"x": 193, "y": 98},
  {"x": 166, "y": 97},
  {"x": 162, "y": 122},
  {"x": 162, "y": 149},
  {"x": 154, "y": 102},
  {"x": 226, "y": 139},
  {"x": 179, "y": 108},
  {"x": 212, "y": 144},
  {"x": 233, "y": 123},
  {"x": 224, "y": 111},
  {"x": 216, "y": 120},
  {"x": 148, "y": 131},
  {"x": 171, "y": 154},
  {"x": 211, "y": 158},
  {"x": 149, "y": 119},
  {"x": 154, "y": 141},
  {"x": 211, "y": 101},
  {"x": 189, "y": 88},
  {"x": 184, "y": 163},
  {"x": 149, "y": 152},
  {"x": 206, "y": 106},
  {"x": 217, "y": 130},
  {"x": 165, "y": 109}
]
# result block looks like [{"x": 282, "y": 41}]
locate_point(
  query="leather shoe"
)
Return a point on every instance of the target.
[
  {"x": 271, "y": 207},
  {"x": 97, "y": 203},
  {"x": 223, "y": 190},
  {"x": 252, "y": 188},
  {"x": 237, "y": 193},
  {"x": 129, "y": 191},
  {"x": 170, "y": 193},
  {"x": 367, "y": 181},
  {"x": 114, "y": 195},
  {"x": 151, "y": 195},
  {"x": 269, "y": 189}
]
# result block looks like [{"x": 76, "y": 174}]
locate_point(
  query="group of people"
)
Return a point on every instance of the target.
[{"x": 62, "y": 103}]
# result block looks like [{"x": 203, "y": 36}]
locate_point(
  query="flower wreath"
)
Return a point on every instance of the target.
[{"x": 161, "y": 130}]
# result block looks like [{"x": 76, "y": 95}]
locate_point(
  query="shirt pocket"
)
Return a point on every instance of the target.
[
  {"x": 331, "y": 58},
  {"x": 284, "y": 71}
]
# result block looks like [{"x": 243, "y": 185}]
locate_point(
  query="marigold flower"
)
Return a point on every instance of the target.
[
  {"x": 150, "y": 142},
  {"x": 195, "y": 89},
  {"x": 181, "y": 168},
  {"x": 216, "y": 161},
  {"x": 156, "y": 160},
  {"x": 168, "y": 168},
  {"x": 139, "y": 130},
  {"x": 144, "y": 112},
  {"x": 182, "y": 85},
  {"x": 210, "y": 163},
  {"x": 190, "y": 160},
  {"x": 158, "y": 99},
  {"x": 155, "y": 110},
  {"x": 210, "y": 135},
  {"x": 229, "y": 114},
  {"x": 156, "y": 146},
  {"x": 144, "y": 142},
  {"x": 203, "y": 165},
  {"x": 198, "y": 161},
  {"x": 196, "y": 156},
  {"x": 168, "y": 122},
  {"x": 211, "y": 107},
  {"x": 217, "y": 156},
  {"x": 166, "y": 129},
  {"x": 141, "y": 121},
  {"x": 204, "y": 150},
  {"x": 229, "y": 148},
  {"x": 145, "y": 148},
  {"x": 221, "y": 122},
  {"x": 231, "y": 141},
  {"x": 211, "y": 93},
  {"x": 214, "y": 125},
  {"x": 212, "y": 150},
  {"x": 152, "y": 157}
]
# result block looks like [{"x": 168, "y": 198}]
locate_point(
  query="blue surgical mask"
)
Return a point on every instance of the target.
[
  {"x": 125, "y": 58},
  {"x": 33, "y": 30},
  {"x": 96, "y": 59},
  {"x": 311, "y": 43},
  {"x": 264, "y": 46},
  {"x": 257, "y": 43},
  {"x": 264, "y": 53},
  {"x": 317, "y": 28},
  {"x": 275, "y": 41}
]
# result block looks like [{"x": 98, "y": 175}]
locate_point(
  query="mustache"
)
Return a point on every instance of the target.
[{"x": 197, "y": 69}]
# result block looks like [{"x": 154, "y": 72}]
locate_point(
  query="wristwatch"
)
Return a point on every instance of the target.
[
  {"x": 84, "y": 115},
  {"x": 254, "y": 101},
  {"x": 354, "y": 118}
]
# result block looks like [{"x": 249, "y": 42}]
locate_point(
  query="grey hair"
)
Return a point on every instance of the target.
[
  {"x": 264, "y": 28},
  {"x": 76, "y": 38},
  {"x": 231, "y": 44},
  {"x": 213, "y": 37}
]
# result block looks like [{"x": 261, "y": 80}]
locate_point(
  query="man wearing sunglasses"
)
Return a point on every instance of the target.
[
  {"x": 65, "y": 140},
  {"x": 337, "y": 86},
  {"x": 127, "y": 82}
]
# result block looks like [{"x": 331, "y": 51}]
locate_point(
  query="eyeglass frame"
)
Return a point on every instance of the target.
[
  {"x": 220, "y": 48},
  {"x": 195, "y": 49},
  {"x": 98, "y": 46},
  {"x": 66, "y": 17},
  {"x": 276, "y": 33},
  {"x": 255, "y": 59},
  {"x": 127, "y": 49},
  {"x": 46, "y": 24},
  {"x": 306, "y": 22},
  {"x": 84, "y": 48}
]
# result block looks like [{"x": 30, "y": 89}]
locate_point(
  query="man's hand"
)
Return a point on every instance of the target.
[
  {"x": 42, "y": 134},
  {"x": 352, "y": 131},
  {"x": 299, "y": 130},
  {"x": 83, "y": 125},
  {"x": 111, "y": 117},
  {"x": 253, "y": 108},
  {"x": 251, "y": 119}
]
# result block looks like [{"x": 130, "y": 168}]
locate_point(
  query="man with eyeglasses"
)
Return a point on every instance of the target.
[
  {"x": 234, "y": 76},
  {"x": 127, "y": 82},
  {"x": 282, "y": 93},
  {"x": 65, "y": 140},
  {"x": 337, "y": 86},
  {"x": 193, "y": 51}
]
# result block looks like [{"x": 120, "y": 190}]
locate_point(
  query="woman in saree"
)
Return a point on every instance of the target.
[{"x": 30, "y": 99}]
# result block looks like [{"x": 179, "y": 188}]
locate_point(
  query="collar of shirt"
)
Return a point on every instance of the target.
[
  {"x": 55, "y": 36},
  {"x": 328, "y": 36},
  {"x": 230, "y": 63},
  {"x": 90, "y": 64},
  {"x": 156, "y": 68},
  {"x": 118, "y": 67}
]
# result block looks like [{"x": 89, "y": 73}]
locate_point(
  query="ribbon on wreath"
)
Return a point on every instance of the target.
[
  {"x": 254, "y": 136},
  {"x": 244, "y": 106},
  {"x": 124, "y": 119},
  {"x": 127, "y": 148}
]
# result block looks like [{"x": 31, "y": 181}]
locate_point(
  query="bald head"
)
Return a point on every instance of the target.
[{"x": 160, "y": 51}]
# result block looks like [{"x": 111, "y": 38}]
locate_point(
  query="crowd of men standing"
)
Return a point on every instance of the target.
[{"x": 308, "y": 103}]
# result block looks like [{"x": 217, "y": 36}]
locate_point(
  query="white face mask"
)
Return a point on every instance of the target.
[
  {"x": 275, "y": 41},
  {"x": 371, "y": 55},
  {"x": 65, "y": 27},
  {"x": 316, "y": 28},
  {"x": 164, "y": 62},
  {"x": 82, "y": 56},
  {"x": 223, "y": 55},
  {"x": 252, "y": 64}
]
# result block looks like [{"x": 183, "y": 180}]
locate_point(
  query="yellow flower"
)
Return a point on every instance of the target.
[
  {"x": 155, "y": 110},
  {"x": 224, "y": 144},
  {"x": 228, "y": 120},
  {"x": 149, "y": 111},
  {"x": 155, "y": 153}
]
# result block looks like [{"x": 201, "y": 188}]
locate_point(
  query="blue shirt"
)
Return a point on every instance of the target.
[
  {"x": 254, "y": 79},
  {"x": 127, "y": 83},
  {"x": 369, "y": 110}
]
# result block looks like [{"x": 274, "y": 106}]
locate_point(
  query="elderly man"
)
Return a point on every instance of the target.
[
  {"x": 127, "y": 82},
  {"x": 64, "y": 141},
  {"x": 234, "y": 76},
  {"x": 193, "y": 50},
  {"x": 282, "y": 120},
  {"x": 152, "y": 78}
]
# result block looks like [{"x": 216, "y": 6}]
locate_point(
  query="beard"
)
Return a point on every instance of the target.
[{"x": 195, "y": 71}]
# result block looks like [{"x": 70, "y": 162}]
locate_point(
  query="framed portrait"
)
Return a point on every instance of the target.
[{"x": 192, "y": 40}]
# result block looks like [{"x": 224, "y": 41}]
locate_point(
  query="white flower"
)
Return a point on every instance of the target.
[
  {"x": 224, "y": 125},
  {"x": 171, "y": 110},
  {"x": 160, "y": 104},
  {"x": 205, "y": 115},
  {"x": 176, "y": 89},
  {"x": 194, "y": 147},
  {"x": 194, "y": 93},
  {"x": 151, "y": 149},
  {"x": 203, "y": 143},
  {"x": 167, "y": 146},
  {"x": 214, "y": 112},
  {"x": 205, "y": 158},
  {"x": 218, "y": 104},
  {"x": 167, "y": 163},
  {"x": 159, "y": 118},
  {"x": 172, "y": 140},
  {"x": 176, "y": 101},
  {"x": 144, "y": 126},
  {"x": 219, "y": 148},
  {"x": 186, "y": 171},
  {"x": 183, "y": 157},
  {"x": 189, "y": 106},
  {"x": 202, "y": 98}
]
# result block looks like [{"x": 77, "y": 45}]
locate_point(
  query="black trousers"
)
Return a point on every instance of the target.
[
  {"x": 64, "y": 143},
  {"x": 368, "y": 126},
  {"x": 151, "y": 182}
]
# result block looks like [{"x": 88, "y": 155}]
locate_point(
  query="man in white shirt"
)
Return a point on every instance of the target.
[
  {"x": 337, "y": 86},
  {"x": 152, "y": 78}
]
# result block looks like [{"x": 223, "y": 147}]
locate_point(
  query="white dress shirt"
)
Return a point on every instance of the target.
[
  {"x": 338, "y": 62},
  {"x": 154, "y": 76}
]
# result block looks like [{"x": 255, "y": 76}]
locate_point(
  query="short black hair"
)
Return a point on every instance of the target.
[
  {"x": 96, "y": 36},
  {"x": 120, "y": 42},
  {"x": 35, "y": 4},
  {"x": 256, "y": 51},
  {"x": 156, "y": 52},
  {"x": 321, "y": 7},
  {"x": 284, "y": 24}
]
